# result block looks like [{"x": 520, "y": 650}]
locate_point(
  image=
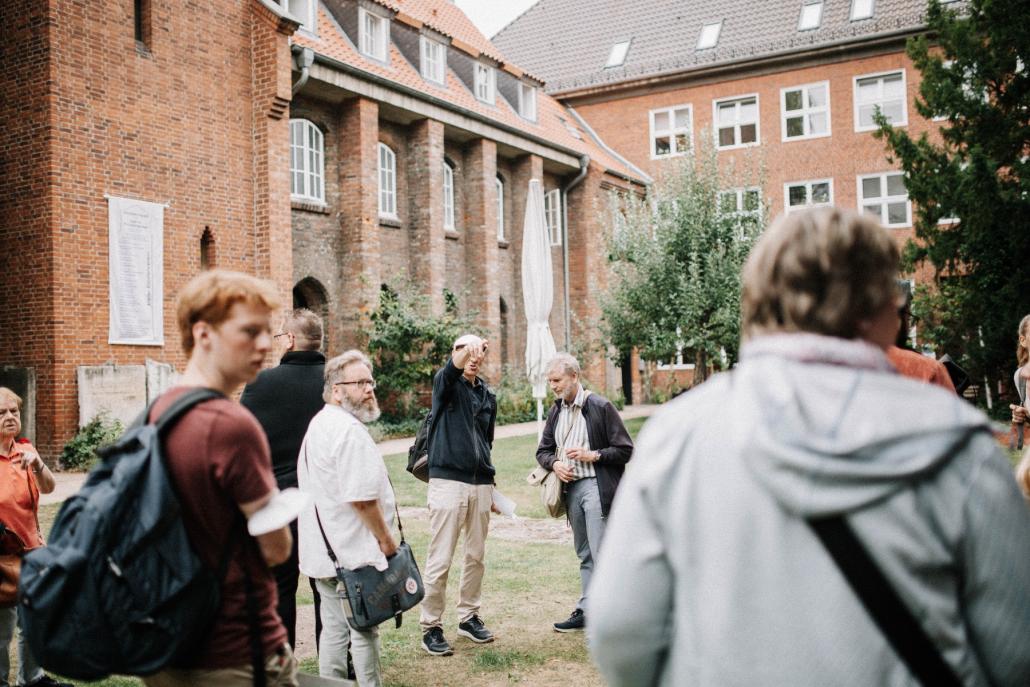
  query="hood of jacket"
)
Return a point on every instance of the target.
[{"x": 835, "y": 428}]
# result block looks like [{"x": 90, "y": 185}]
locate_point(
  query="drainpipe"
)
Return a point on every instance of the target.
[
  {"x": 584, "y": 164},
  {"x": 304, "y": 57}
]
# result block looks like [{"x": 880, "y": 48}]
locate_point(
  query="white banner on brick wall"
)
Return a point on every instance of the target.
[{"x": 136, "y": 271}]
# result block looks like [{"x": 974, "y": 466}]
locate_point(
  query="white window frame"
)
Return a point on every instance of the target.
[
  {"x": 485, "y": 82},
  {"x": 677, "y": 362},
  {"x": 738, "y": 99},
  {"x": 373, "y": 41},
  {"x": 433, "y": 67},
  {"x": 739, "y": 194},
  {"x": 527, "y": 101},
  {"x": 804, "y": 112},
  {"x": 448, "y": 196},
  {"x": 617, "y": 55},
  {"x": 855, "y": 4},
  {"x": 307, "y": 181},
  {"x": 881, "y": 76},
  {"x": 387, "y": 182},
  {"x": 308, "y": 15},
  {"x": 885, "y": 199},
  {"x": 709, "y": 36},
  {"x": 499, "y": 186},
  {"x": 818, "y": 20},
  {"x": 552, "y": 216},
  {"x": 808, "y": 183},
  {"x": 672, "y": 131}
]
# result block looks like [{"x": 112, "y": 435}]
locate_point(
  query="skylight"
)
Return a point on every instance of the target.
[
  {"x": 861, "y": 9},
  {"x": 617, "y": 56},
  {"x": 709, "y": 35},
  {"x": 811, "y": 16}
]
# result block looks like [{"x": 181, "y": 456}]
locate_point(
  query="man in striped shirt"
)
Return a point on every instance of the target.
[{"x": 587, "y": 446}]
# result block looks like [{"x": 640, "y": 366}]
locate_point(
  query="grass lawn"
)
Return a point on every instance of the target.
[{"x": 528, "y": 586}]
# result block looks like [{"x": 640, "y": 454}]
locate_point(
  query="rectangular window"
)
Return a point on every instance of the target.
[
  {"x": 387, "y": 182},
  {"x": 885, "y": 196},
  {"x": 807, "y": 194},
  {"x": 304, "y": 11},
  {"x": 741, "y": 201},
  {"x": 709, "y": 35},
  {"x": 671, "y": 131},
  {"x": 448, "y": 197},
  {"x": 500, "y": 209},
  {"x": 552, "y": 215},
  {"x": 527, "y": 101},
  {"x": 861, "y": 9},
  {"x": 374, "y": 34},
  {"x": 811, "y": 16},
  {"x": 434, "y": 60},
  {"x": 306, "y": 164},
  {"x": 805, "y": 111},
  {"x": 486, "y": 81},
  {"x": 884, "y": 92},
  {"x": 736, "y": 122}
]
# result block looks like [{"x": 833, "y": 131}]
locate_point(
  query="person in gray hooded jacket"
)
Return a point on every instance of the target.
[{"x": 710, "y": 575}]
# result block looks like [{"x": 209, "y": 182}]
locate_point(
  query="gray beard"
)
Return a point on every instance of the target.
[{"x": 364, "y": 412}]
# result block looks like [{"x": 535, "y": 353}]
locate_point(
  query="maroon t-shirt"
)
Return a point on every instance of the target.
[{"x": 218, "y": 458}]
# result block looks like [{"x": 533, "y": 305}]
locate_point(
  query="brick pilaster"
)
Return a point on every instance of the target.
[
  {"x": 587, "y": 271},
  {"x": 481, "y": 247},
  {"x": 425, "y": 203}
]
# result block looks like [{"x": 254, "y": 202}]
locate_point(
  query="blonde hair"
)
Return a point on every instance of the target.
[
  {"x": 335, "y": 367},
  {"x": 209, "y": 296},
  {"x": 9, "y": 395},
  {"x": 1023, "y": 473},
  {"x": 1022, "y": 351},
  {"x": 306, "y": 326},
  {"x": 823, "y": 270}
]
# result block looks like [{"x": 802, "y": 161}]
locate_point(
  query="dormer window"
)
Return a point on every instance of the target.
[
  {"x": 527, "y": 101},
  {"x": 374, "y": 34},
  {"x": 709, "y": 35},
  {"x": 861, "y": 9},
  {"x": 434, "y": 60},
  {"x": 811, "y": 16},
  {"x": 486, "y": 83},
  {"x": 617, "y": 55},
  {"x": 303, "y": 10}
]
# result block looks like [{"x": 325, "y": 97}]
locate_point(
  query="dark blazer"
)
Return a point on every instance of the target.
[
  {"x": 606, "y": 433},
  {"x": 284, "y": 399}
]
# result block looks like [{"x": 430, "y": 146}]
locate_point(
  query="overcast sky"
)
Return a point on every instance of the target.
[{"x": 490, "y": 16}]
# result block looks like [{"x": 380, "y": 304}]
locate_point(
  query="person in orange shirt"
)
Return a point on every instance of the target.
[
  {"x": 911, "y": 364},
  {"x": 23, "y": 476}
]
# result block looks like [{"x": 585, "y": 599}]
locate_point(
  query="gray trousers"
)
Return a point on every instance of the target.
[
  {"x": 337, "y": 636},
  {"x": 583, "y": 502},
  {"x": 28, "y": 669}
]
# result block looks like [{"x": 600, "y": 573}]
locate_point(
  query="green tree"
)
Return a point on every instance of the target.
[
  {"x": 973, "y": 63},
  {"x": 676, "y": 260}
]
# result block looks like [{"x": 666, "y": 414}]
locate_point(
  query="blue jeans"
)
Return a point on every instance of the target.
[
  {"x": 28, "y": 669},
  {"x": 583, "y": 502}
]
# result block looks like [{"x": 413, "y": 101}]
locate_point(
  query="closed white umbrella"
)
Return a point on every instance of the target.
[{"x": 537, "y": 295}]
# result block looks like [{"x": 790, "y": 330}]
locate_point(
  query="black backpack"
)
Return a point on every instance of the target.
[
  {"x": 119, "y": 588},
  {"x": 418, "y": 454}
]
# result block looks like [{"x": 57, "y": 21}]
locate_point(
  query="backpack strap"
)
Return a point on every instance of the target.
[
  {"x": 881, "y": 601},
  {"x": 182, "y": 404}
]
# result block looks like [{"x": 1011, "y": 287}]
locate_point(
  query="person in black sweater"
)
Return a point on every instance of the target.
[{"x": 284, "y": 399}]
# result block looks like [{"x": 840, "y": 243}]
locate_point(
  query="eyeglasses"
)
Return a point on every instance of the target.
[
  {"x": 276, "y": 336},
  {"x": 370, "y": 383}
]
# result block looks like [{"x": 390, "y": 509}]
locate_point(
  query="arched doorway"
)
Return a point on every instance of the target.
[{"x": 309, "y": 293}]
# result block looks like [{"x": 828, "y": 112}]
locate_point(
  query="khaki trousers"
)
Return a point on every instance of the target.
[
  {"x": 280, "y": 671},
  {"x": 453, "y": 507}
]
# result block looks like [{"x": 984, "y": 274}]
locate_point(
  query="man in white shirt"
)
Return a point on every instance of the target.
[{"x": 341, "y": 468}]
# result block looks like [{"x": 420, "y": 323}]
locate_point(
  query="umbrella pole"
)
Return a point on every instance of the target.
[{"x": 539, "y": 420}]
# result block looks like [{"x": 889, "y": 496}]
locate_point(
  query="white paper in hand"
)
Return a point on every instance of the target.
[
  {"x": 283, "y": 509},
  {"x": 504, "y": 504}
]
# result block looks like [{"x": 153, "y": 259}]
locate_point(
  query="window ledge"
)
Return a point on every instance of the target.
[
  {"x": 385, "y": 221},
  {"x": 502, "y": 243},
  {"x": 309, "y": 206},
  {"x": 451, "y": 234}
]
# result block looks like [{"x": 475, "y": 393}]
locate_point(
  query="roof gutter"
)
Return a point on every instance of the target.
[
  {"x": 785, "y": 55},
  {"x": 439, "y": 102},
  {"x": 584, "y": 165},
  {"x": 304, "y": 58}
]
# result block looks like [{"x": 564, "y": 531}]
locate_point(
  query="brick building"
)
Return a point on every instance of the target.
[
  {"x": 791, "y": 85},
  {"x": 331, "y": 147}
]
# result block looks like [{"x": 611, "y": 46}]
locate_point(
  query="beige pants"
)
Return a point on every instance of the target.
[
  {"x": 280, "y": 671},
  {"x": 454, "y": 506}
]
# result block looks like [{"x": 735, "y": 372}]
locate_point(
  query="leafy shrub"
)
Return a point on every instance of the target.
[
  {"x": 515, "y": 402},
  {"x": 381, "y": 431},
  {"x": 80, "y": 451}
]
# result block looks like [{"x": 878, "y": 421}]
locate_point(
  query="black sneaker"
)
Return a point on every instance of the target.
[
  {"x": 576, "y": 622},
  {"x": 434, "y": 643},
  {"x": 47, "y": 681},
  {"x": 474, "y": 629}
]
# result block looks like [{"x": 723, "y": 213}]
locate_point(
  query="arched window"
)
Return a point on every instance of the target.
[
  {"x": 207, "y": 249},
  {"x": 500, "y": 209},
  {"x": 448, "y": 196},
  {"x": 309, "y": 293},
  {"x": 307, "y": 172},
  {"x": 387, "y": 182}
]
